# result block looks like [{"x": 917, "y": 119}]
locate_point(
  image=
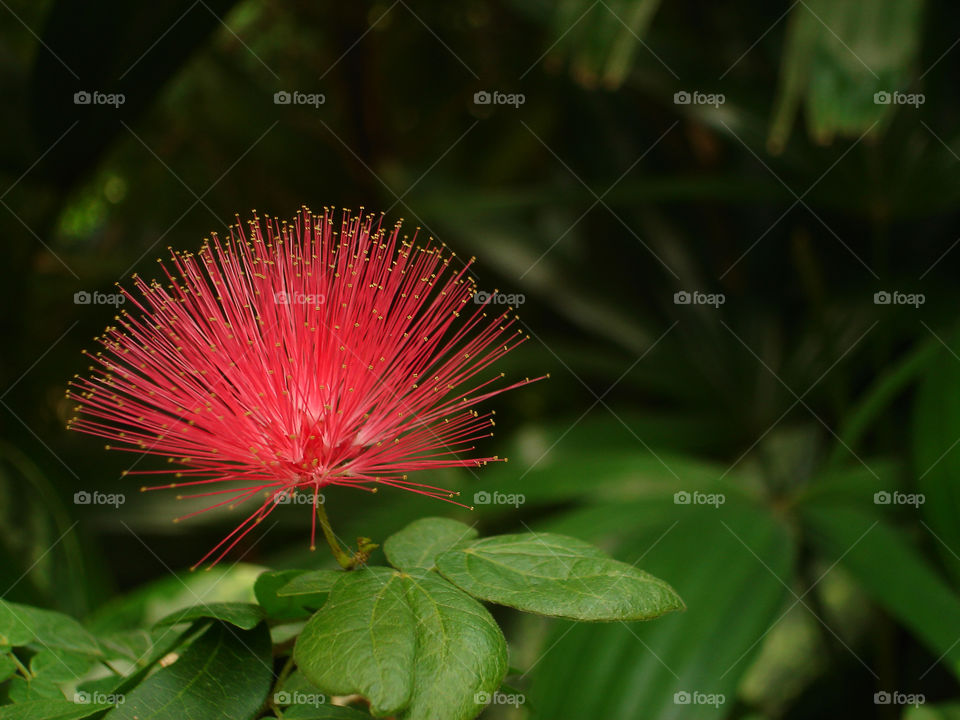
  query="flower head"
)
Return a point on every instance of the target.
[{"x": 299, "y": 355}]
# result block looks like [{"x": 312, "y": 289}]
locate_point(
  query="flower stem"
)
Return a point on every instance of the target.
[
  {"x": 278, "y": 685},
  {"x": 27, "y": 675},
  {"x": 346, "y": 559}
]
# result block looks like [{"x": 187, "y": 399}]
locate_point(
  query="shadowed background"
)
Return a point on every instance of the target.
[{"x": 791, "y": 169}]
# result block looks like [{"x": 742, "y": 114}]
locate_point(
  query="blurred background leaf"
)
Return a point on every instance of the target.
[{"x": 837, "y": 56}]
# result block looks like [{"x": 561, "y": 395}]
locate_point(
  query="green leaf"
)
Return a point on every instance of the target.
[
  {"x": 946, "y": 711},
  {"x": 558, "y": 576},
  {"x": 50, "y": 710},
  {"x": 14, "y": 628},
  {"x": 362, "y": 640},
  {"x": 243, "y": 615},
  {"x": 419, "y": 543},
  {"x": 328, "y": 712},
  {"x": 154, "y": 601},
  {"x": 41, "y": 560},
  {"x": 893, "y": 573},
  {"x": 60, "y": 665},
  {"x": 23, "y": 690},
  {"x": 286, "y": 631},
  {"x": 854, "y": 483},
  {"x": 276, "y": 607},
  {"x": 24, "y": 625},
  {"x": 728, "y": 565},
  {"x": 225, "y": 674},
  {"x": 413, "y": 644},
  {"x": 461, "y": 652},
  {"x": 109, "y": 685},
  {"x": 133, "y": 645},
  {"x": 604, "y": 39},
  {"x": 838, "y": 54},
  {"x": 315, "y": 585},
  {"x": 871, "y": 407},
  {"x": 158, "y": 644},
  {"x": 7, "y": 666},
  {"x": 936, "y": 427}
]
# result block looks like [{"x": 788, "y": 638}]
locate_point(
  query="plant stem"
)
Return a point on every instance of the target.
[
  {"x": 343, "y": 557},
  {"x": 281, "y": 679},
  {"x": 284, "y": 672},
  {"x": 111, "y": 668},
  {"x": 347, "y": 560},
  {"x": 27, "y": 675}
]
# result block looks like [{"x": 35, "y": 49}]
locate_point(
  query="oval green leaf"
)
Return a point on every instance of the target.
[
  {"x": 314, "y": 585},
  {"x": 419, "y": 543},
  {"x": 243, "y": 615},
  {"x": 225, "y": 674},
  {"x": 24, "y": 625},
  {"x": 461, "y": 654},
  {"x": 7, "y": 666},
  {"x": 276, "y": 608},
  {"x": 559, "y": 576},
  {"x": 328, "y": 712},
  {"x": 50, "y": 710},
  {"x": 362, "y": 640}
]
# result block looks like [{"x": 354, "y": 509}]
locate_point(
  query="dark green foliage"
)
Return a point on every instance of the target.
[{"x": 787, "y": 460}]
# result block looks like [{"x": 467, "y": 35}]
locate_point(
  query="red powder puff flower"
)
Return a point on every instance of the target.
[{"x": 299, "y": 358}]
